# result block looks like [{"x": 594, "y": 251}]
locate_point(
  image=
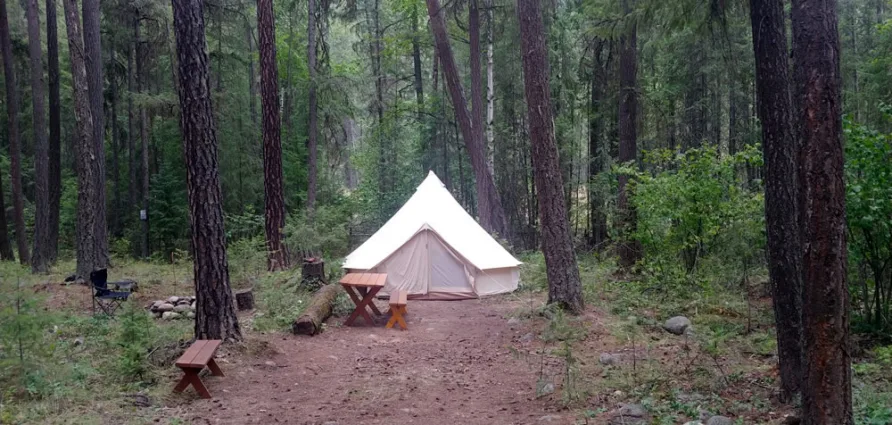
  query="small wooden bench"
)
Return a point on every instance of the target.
[
  {"x": 193, "y": 361},
  {"x": 398, "y": 309}
]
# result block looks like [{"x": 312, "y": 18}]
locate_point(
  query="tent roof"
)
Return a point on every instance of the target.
[{"x": 432, "y": 206}]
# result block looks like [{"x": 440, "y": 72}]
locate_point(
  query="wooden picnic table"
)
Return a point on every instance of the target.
[{"x": 362, "y": 288}]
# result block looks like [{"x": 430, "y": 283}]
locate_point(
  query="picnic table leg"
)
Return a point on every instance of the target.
[
  {"x": 371, "y": 295},
  {"x": 215, "y": 370},
  {"x": 360, "y": 307}
]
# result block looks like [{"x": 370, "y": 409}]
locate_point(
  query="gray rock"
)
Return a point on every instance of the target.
[
  {"x": 79, "y": 341},
  {"x": 165, "y": 307},
  {"x": 677, "y": 325},
  {"x": 182, "y": 308},
  {"x": 169, "y": 315},
  {"x": 527, "y": 338},
  {"x": 629, "y": 414},
  {"x": 513, "y": 321},
  {"x": 545, "y": 389},
  {"x": 693, "y": 423},
  {"x": 173, "y": 299},
  {"x": 190, "y": 314},
  {"x": 607, "y": 359},
  {"x": 550, "y": 419},
  {"x": 720, "y": 420}
]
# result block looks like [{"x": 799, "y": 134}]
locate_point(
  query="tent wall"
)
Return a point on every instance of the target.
[{"x": 497, "y": 281}]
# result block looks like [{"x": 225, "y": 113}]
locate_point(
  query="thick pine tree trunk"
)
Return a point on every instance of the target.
[
  {"x": 564, "y": 287},
  {"x": 416, "y": 65},
  {"x": 144, "y": 151},
  {"x": 93, "y": 58},
  {"x": 215, "y": 313},
  {"x": 313, "y": 112},
  {"x": 478, "y": 112},
  {"x": 252, "y": 87},
  {"x": 54, "y": 150},
  {"x": 596, "y": 149},
  {"x": 629, "y": 249},
  {"x": 272, "y": 143},
  {"x": 131, "y": 114},
  {"x": 781, "y": 185},
  {"x": 827, "y": 375},
  {"x": 492, "y": 214},
  {"x": 86, "y": 158},
  {"x": 12, "y": 129},
  {"x": 490, "y": 90},
  {"x": 40, "y": 260}
]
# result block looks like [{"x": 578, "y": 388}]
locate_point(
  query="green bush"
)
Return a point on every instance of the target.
[{"x": 134, "y": 339}]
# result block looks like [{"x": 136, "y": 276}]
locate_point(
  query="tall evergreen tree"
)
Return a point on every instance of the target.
[
  {"x": 93, "y": 58},
  {"x": 41, "y": 253},
  {"x": 274, "y": 198},
  {"x": 12, "y": 130},
  {"x": 215, "y": 313},
  {"x": 827, "y": 374},
  {"x": 629, "y": 249},
  {"x": 54, "y": 149},
  {"x": 564, "y": 287}
]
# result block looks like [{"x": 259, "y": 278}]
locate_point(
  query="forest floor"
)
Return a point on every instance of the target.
[{"x": 501, "y": 360}]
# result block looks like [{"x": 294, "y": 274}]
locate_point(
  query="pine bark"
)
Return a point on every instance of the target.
[
  {"x": 40, "y": 255},
  {"x": 272, "y": 143},
  {"x": 478, "y": 112},
  {"x": 144, "y": 151},
  {"x": 313, "y": 112},
  {"x": 54, "y": 148},
  {"x": 86, "y": 159},
  {"x": 564, "y": 287},
  {"x": 215, "y": 316},
  {"x": 131, "y": 112},
  {"x": 491, "y": 212},
  {"x": 490, "y": 90},
  {"x": 781, "y": 185},
  {"x": 35, "y": 53},
  {"x": 597, "y": 148},
  {"x": 827, "y": 376},
  {"x": 629, "y": 249},
  {"x": 93, "y": 58},
  {"x": 12, "y": 129}
]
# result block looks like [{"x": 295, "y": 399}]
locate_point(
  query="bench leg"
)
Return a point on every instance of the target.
[
  {"x": 191, "y": 378},
  {"x": 215, "y": 370},
  {"x": 397, "y": 317}
]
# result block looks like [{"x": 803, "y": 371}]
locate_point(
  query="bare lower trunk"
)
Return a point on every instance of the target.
[
  {"x": 629, "y": 249},
  {"x": 827, "y": 375},
  {"x": 93, "y": 59},
  {"x": 12, "y": 128},
  {"x": 313, "y": 112},
  {"x": 54, "y": 149},
  {"x": 144, "y": 150},
  {"x": 274, "y": 199},
  {"x": 492, "y": 215},
  {"x": 564, "y": 287},
  {"x": 215, "y": 313},
  {"x": 781, "y": 186},
  {"x": 490, "y": 90}
]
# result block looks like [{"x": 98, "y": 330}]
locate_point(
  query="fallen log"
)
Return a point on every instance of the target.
[{"x": 320, "y": 308}]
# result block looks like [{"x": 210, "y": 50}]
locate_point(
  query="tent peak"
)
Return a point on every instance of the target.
[{"x": 431, "y": 180}]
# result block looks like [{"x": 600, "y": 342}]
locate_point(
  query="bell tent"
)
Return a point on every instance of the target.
[{"x": 433, "y": 249}]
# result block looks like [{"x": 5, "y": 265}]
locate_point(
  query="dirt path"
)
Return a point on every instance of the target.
[{"x": 453, "y": 366}]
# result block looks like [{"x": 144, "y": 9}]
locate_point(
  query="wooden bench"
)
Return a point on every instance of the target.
[
  {"x": 193, "y": 361},
  {"x": 398, "y": 308}
]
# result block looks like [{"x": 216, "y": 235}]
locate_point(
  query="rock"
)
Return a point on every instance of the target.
[
  {"x": 183, "y": 301},
  {"x": 527, "y": 338},
  {"x": 190, "y": 314},
  {"x": 619, "y": 394},
  {"x": 513, "y": 321},
  {"x": 677, "y": 325},
  {"x": 693, "y": 423},
  {"x": 71, "y": 278},
  {"x": 629, "y": 414},
  {"x": 170, "y": 315},
  {"x": 79, "y": 341},
  {"x": 720, "y": 420},
  {"x": 550, "y": 419},
  {"x": 165, "y": 307},
  {"x": 545, "y": 389},
  {"x": 173, "y": 299},
  {"x": 182, "y": 308},
  {"x": 607, "y": 359},
  {"x": 270, "y": 363}
]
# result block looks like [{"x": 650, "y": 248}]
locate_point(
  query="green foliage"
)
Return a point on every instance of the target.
[
  {"x": 22, "y": 323},
  {"x": 695, "y": 208},
  {"x": 134, "y": 338},
  {"x": 868, "y": 173},
  {"x": 326, "y": 233},
  {"x": 279, "y": 301}
]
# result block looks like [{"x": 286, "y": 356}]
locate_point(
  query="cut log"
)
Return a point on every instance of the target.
[
  {"x": 313, "y": 268},
  {"x": 320, "y": 308},
  {"x": 245, "y": 299}
]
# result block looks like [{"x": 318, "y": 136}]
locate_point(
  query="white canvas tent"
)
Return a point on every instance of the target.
[{"x": 433, "y": 249}]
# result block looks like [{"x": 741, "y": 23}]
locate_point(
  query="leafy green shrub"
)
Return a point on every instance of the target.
[
  {"x": 695, "y": 207},
  {"x": 22, "y": 329},
  {"x": 278, "y": 303},
  {"x": 134, "y": 339}
]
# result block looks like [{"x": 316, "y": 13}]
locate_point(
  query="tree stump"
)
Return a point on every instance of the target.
[
  {"x": 320, "y": 308},
  {"x": 245, "y": 299},
  {"x": 313, "y": 268}
]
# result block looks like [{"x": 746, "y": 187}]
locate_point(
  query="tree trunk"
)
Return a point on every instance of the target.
[
  {"x": 93, "y": 58},
  {"x": 781, "y": 186},
  {"x": 272, "y": 142},
  {"x": 252, "y": 87},
  {"x": 596, "y": 150},
  {"x": 41, "y": 254},
  {"x": 492, "y": 215},
  {"x": 478, "y": 112},
  {"x": 215, "y": 313},
  {"x": 320, "y": 308},
  {"x": 564, "y": 287},
  {"x": 115, "y": 216},
  {"x": 15, "y": 148},
  {"x": 312, "y": 129},
  {"x": 5, "y": 248},
  {"x": 54, "y": 150},
  {"x": 131, "y": 113},
  {"x": 416, "y": 66},
  {"x": 490, "y": 90},
  {"x": 144, "y": 151},
  {"x": 35, "y": 53},
  {"x": 86, "y": 158},
  {"x": 827, "y": 375},
  {"x": 629, "y": 249}
]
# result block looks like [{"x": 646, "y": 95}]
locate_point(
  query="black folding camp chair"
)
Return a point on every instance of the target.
[{"x": 107, "y": 301}]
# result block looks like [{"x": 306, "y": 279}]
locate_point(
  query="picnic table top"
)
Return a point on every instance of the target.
[{"x": 364, "y": 279}]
